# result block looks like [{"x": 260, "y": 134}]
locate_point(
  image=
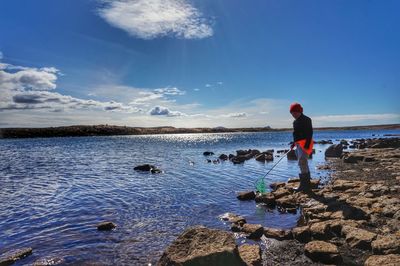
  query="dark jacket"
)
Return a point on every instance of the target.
[{"x": 302, "y": 129}]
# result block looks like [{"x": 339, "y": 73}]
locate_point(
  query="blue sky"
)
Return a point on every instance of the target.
[{"x": 198, "y": 63}]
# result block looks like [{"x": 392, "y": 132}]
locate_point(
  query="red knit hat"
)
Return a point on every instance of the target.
[{"x": 296, "y": 107}]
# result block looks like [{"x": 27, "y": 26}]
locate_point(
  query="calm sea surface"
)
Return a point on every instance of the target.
[{"x": 54, "y": 191}]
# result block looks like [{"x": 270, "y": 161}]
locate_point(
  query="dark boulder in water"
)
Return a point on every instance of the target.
[
  {"x": 147, "y": 168},
  {"x": 223, "y": 157},
  {"x": 106, "y": 226},
  {"x": 208, "y": 153}
]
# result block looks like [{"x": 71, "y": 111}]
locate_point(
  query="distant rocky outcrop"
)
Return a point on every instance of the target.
[{"x": 147, "y": 168}]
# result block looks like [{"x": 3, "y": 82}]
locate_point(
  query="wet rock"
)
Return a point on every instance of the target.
[
  {"x": 383, "y": 260},
  {"x": 147, "y": 168},
  {"x": 287, "y": 202},
  {"x": 236, "y": 228},
  {"x": 49, "y": 261},
  {"x": 202, "y": 246},
  {"x": 250, "y": 254},
  {"x": 233, "y": 218},
  {"x": 353, "y": 159},
  {"x": 334, "y": 151},
  {"x": 302, "y": 234},
  {"x": 292, "y": 155},
  {"x": 320, "y": 251},
  {"x": 264, "y": 157},
  {"x": 239, "y": 159},
  {"x": 208, "y": 153},
  {"x": 386, "y": 245},
  {"x": 14, "y": 255},
  {"x": 254, "y": 231},
  {"x": 277, "y": 185},
  {"x": 223, "y": 157},
  {"x": 359, "y": 238},
  {"x": 106, "y": 226},
  {"x": 267, "y": 199},
  {"x": 369, "y": 159},
  {"x": 281, "y": 192},
  {"x": 278, "y": 234},
  {"x": 230, "y": 156},
  {"x": 246, "y": 195},
  {"x": 320, "y": 231}
]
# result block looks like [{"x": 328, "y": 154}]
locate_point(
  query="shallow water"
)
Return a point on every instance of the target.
[{"x": 54, "y": 191}]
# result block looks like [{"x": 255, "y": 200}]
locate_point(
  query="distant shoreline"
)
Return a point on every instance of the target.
[{"x": 109, "y": 130}]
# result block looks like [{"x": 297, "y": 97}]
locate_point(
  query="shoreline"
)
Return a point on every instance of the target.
[
  {"x": 109, "y": 130},
  {"x": 352, "y": 220}
]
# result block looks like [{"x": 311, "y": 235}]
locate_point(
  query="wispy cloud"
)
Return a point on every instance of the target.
[
  {"x": 150, "y": 19},
  {"x": 355, "y": 119},
  {"x": 235, "y": 115}
]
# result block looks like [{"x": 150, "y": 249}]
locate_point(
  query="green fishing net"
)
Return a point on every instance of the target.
[{"x": 260, "y": 185}]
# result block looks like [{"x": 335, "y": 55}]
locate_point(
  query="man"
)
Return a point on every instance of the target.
[{"x": 302, "y": 140}]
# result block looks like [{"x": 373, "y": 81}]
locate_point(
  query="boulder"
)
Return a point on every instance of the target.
[
  {"x": 208, "y": 153},
  {"x": 147, "y": 168},
  {"x": 320, "y": 251},
  {"x": 286, "y": 202},
  {"x": 254, "y": 231},
  {"x": 334, "y": 151},
  {"x": 233, "y": 218},
  {"x": 223, "y": 157},
  {"x": 353, "y": 159},
  {"x": 12, "y": 256},
  {"x": 202, "y": 246},
  {"x": 281, "y": 192},
  {"x": 246, "y": 195},
  {"x": 239, "y": 159},
  {"x": 320, "y": 230},
  {"x": 386, "y": 245},
  {"x": 106, "y": 226},
  {"x": 277, "y": 185},
  {"x": 250, "y": 254},
  {"x": 383, "y": 260},
  {"x": 267, "y": 199},
  {"x": 302, "y": 234},
  {"x": 359, "y": 238},
  {"x": 230, "y": 156},
  {"x": 264, "y": 157},
  {"x": 278, "y": 234}
]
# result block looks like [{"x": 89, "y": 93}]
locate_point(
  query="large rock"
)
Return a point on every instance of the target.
[
  {"x": 14, "y": 255},
  {"x": 254, "y": 231},
  {"x": 334, "y": 151},
  {"x": 320, "y": 251},
  {"x": 278, "y": 234},
  {"x": 353, "y": 159},
  {"x": 267, "y": 199},
  {"x": 264, "y": 157},
  {"x": 385, "y": 260},
  {"x": 302, "y": 234},
  {"x": 106, "y": 226},
  {"x": 386, "y": 245},
  {"x": 358, "y": 238},
  {"x": 233, "y": 218},
  {"x": 246, "y": 195},
  {"x": 202, "y": 246},
  {"x": 147, "y": 168},
  {"x": 250, "y": 254},
  {"x": 208, "y": 153}
]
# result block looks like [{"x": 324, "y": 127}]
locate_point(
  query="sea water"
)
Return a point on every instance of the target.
[{"x": 54, "y": 191}]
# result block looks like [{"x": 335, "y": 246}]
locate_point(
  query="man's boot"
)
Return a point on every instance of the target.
[{"x": 305, "y": 184}]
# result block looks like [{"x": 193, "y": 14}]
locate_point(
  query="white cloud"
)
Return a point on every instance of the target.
[
  {"x": 1, "y": 55},
  {"x": 150, "y": 19},
  {"x": 24, "y": 88},
  {"x": 160, "y": 110},
  {"x": 208, "y": 85},
  {"x": 16, "y": 77},
  {"x": 196, "y": 89}
]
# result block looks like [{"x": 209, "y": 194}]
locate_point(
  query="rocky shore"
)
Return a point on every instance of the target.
[{"x": 352, "y": 220}]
